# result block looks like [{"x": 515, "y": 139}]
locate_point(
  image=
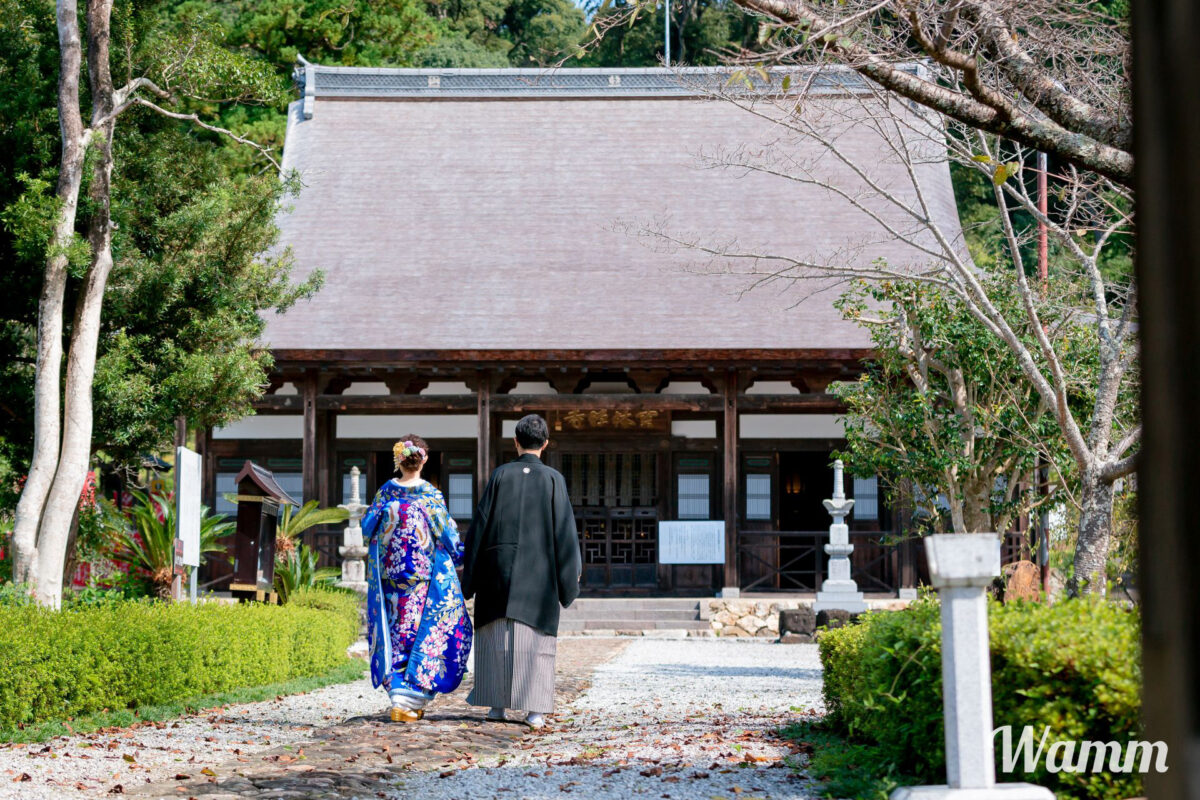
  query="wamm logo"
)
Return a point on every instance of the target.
[{"x": 1074, "y": 756}]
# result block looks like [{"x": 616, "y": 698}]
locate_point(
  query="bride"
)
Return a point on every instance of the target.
[{"x": 417, "y": 623}]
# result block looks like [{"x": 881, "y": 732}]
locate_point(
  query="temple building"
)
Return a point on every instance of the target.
[{"x": 500, "y": 242}]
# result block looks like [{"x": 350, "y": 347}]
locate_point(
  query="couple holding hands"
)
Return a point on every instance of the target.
[{"x": 520, "y": 562}]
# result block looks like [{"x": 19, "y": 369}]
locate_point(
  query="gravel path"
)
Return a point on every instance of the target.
[
  {"x": 665, "y": 719},
  {"x": 91, "y": 765}
]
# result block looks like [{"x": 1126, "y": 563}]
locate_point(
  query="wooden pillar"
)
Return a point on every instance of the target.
[
  {"x": 181, "y": 431},
  {"x": 1167, "y": 127},
  {"x": 208, "y": 474},
  {"x": 309, "y": 454},
  {"x": 325, "y": 421},
  {"x": 483, "y": 445},
  {"x": 729, "y": 496}
]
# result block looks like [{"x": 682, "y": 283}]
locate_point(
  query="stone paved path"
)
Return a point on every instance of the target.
[
  {"x": 637, "y": 718},
  {"x": 364, "y": 755},
  {"x": 692, "y": 719}
]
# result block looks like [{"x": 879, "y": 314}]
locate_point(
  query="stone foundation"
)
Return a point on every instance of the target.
[{"x": 759, "y": 618}]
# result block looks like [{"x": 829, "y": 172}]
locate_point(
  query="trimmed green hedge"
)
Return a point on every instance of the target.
[
  {"x": 1072, "y": 666},
  {"x": 123, "y": 655}
]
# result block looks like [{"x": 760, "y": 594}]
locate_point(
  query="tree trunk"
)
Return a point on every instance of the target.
[
  {"x": 1095, "y": 527},
  {"x": 46, "y": 404},
  {"x": 977, "y": 517},
  {"x": 81, "y": 369},
  {"x": 85, "y": 335}
]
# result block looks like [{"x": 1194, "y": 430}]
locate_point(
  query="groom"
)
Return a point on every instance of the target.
[{"x": 521, "y": 563}]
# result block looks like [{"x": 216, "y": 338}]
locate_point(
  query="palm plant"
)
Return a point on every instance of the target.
[
  {"x": 299, "y": 569},
  {"x": 294, "y": 521},
  {"x": 151, "y": 545}
]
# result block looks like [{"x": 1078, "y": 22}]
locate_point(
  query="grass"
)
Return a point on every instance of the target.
[
  {"x": 350, "y": 671},
  {"x": 845, "y": 768}
]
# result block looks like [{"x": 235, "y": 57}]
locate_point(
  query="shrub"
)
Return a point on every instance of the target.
[
  {"x": 299, "y": 570},
  {"x": 118, "y": 655},
  {"x": 1073, "y": 666}
]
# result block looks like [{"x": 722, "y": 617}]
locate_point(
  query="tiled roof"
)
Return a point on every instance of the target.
[{"x": 492, "y": 218}]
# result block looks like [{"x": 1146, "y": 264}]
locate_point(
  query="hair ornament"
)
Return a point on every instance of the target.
[{"x": 402, "y": 450}]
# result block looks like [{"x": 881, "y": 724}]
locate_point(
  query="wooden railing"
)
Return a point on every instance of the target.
[{"x": 795, "y": 561}]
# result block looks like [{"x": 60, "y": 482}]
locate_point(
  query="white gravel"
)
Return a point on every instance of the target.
[
  {"x": 669, "y": 719},
  {"x": 91, "y": 764}
]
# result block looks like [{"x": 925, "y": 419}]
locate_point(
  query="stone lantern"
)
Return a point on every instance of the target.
[
  {"x": 839, "y": 590},
  {"x": 353, "y": 551}
]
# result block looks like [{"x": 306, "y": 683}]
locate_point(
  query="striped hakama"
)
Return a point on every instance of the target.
[{"x": 514, "y": 667}]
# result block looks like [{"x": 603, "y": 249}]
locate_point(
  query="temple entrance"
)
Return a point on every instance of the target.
[
  {"x": 615, "y": 497},
  {"x": 806, "y": 479}
]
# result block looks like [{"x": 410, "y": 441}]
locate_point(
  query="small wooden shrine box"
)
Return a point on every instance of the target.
[{"x": 258, "y": 500}]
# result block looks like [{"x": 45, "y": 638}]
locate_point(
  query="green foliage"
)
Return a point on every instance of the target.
[
  {"x": 193, "y": 237},
  {"x": 153, "y": 549},
  {"x": 187, "y": 55},
  {"x": 100, "y": 526},
  {"x": 343, "y": 602},
  {"x": 30, "y": 220},
  {"x": 298, "y": 570},
  {"x": 130, "y": 654},
  {"x": 365, "y": 33},
  {"x": 1073, "y": 666},
  {"x": 293, "y": 522},
  {"x": 702, "y": 33},
  {"x": 455, "y": 50},
  {"x": 185, "y": 305},
  {"x": 845, "y": 768},
  {"x": 347, "y": 672},
  {"x": 524, "y": 32},
  {"x": 944, "y": 413}
]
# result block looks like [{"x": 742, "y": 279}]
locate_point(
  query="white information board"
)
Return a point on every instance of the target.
[
  {"x": 691, "y": 542},
  {"x": 187, "y": 504}
]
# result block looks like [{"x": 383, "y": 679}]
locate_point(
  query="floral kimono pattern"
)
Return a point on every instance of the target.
[{"x": 417, "y": 623}]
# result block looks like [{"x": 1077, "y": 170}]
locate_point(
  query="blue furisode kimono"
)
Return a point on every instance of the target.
[{"x": 417, "y": 623}]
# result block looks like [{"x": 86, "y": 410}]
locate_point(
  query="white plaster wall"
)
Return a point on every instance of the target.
[
  {"x": 393, "y": 426},
  {"x": 268, "y": 426},
  {"x": 772, "y": 387},
  {"x": 791, "y": 426},
  {"x": 685, "y": 387},
  {"x": 366, "y": 387},
  {"x": 694, "y": 428},
  {"x": 533, "y": 387},
  {"x": 440, "y": 388}
]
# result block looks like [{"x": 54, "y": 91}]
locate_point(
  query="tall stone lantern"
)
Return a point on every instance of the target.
[
  {"x": 353, "y": 550},
  {"x": 839, "y": 590}
]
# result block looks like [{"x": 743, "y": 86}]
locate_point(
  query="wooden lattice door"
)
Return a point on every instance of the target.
[{"x": 614, "y": 496}]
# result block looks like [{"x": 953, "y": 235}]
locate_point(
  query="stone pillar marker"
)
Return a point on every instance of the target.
[
  {"x": 961, "y": 567},
  {"x": 353, "y": 551},
  {"x": 839, "y": 590}
]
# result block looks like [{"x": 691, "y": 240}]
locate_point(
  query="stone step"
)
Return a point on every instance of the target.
[
  {"x": 613, "y": 608},
  {"x": 635, "y": 624},
  {"x": 670, "y": 633},
  {"x": 604, "y": 613}
]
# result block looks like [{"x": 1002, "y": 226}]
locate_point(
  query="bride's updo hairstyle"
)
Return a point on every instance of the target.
[{"x": 408, "y": 453}]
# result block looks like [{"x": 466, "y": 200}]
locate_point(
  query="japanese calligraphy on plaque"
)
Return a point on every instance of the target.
[{"x": 616, "y": 421}]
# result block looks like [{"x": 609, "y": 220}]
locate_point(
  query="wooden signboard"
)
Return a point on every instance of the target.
[{"x": 600, "y": 420}]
